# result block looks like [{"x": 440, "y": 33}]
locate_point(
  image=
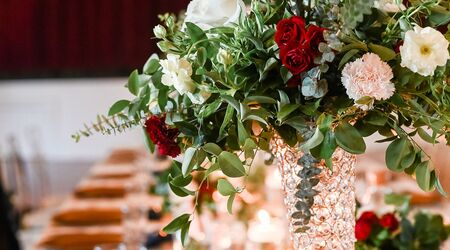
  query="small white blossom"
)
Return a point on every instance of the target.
[
  {"x": 159, "y": 31},
  {"x": 224, "y": 57},
  {"x": 212, "y": 13},
  {"x": 423, "y": 50},
  {"x": 177, "y": 73}
]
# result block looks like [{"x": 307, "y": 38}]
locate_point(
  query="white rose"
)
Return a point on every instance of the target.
[
  {"x": 177, "y": 73},
  {"x": 390, "y": 6},
  {"x": 212, "y": 13},
  {"x": 423, "y": 50}
]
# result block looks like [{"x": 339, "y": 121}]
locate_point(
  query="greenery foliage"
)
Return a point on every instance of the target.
[{"x": 249, "y": 101}]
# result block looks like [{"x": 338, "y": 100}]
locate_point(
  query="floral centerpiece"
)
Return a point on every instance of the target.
[{"x": 315, "y": 77}]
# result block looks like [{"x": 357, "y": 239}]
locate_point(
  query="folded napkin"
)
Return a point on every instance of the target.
[
  {"x": 125, "y": 155},
  {"x": 90, "y": 211},
  {"x": 102, "y": 188},
  {"x": 80, "y": 238},
  {"x": 113, "y": 171},
  {"x": 103, "y": 211},
  {"x": 112, "y": 187}
]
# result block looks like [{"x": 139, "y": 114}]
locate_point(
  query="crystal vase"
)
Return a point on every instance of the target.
[{"x": 320, "y": 202}]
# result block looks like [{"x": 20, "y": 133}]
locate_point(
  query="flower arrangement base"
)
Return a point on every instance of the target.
[{"x": 329, "y": 222}]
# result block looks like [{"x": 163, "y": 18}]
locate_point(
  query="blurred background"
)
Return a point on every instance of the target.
[{"x": 62, "y": 62}]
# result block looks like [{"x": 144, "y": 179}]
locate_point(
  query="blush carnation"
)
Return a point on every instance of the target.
[{"x": 368, "y": 76}]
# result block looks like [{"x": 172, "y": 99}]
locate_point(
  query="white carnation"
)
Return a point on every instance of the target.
[
  {"x": 423, "y": 50},
  {"x": 212, "y": 13},
  {"x": 177, "y": 73}
]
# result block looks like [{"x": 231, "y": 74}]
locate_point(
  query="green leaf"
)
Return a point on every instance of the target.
[
  {"x": 314, "y": 141},
  {"x": 259, "y": 99},
  {"x": 151, "y": 66},
  {"x": 425, "y": 136},
  {"x": 188, "y": 165},
  {"x": 386, "y": 54},
  {"x": 225, "y": 188},
  {"x": 284, "y": 99},
  {"x": 328, "y": 145},
  {"x": 439, "y": 16},
  {"x": 423, "y": 176},
  {"x": 185, "y": 233},
  {"x": 211, "y": 108},
  {"x": 231, "y": 165},
  {"x": 408, "y": 160},
  {"x": 242, "y": 133},
  {"x": 230, "y": 203},
  {"x": 181, "y": 181},
  {"x": 376, "y": 118},
  {"x": 133, "y": 82},
  {"x": 349, "y": 139},
  {"x": 286, "y": 110},
  {"x": 248, "y": 148},
  {"x": 201, "y": 56},
  {"x": 396, "y": 152},
  {"x": 231, "y": 101},
  {"x": 118, "y": 106},
  {"x": 195, "y": 32},
  {"x": 148, "y": 142},
  {"x": 439, "y": 187},
  {"x": 212, "y": 148},
  {"x": 180, "y": 191},
  {"x": 347, "y": 57},
  {"x": 226, "y": 120},
  {"x": 177, "y": 223}
]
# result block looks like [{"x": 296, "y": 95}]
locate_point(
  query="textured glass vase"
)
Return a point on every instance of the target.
[{"x": 330, "y": 220}]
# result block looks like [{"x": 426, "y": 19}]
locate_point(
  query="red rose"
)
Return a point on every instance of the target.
[
  {"x": 162, "y": 135},
  {"x": 362, "y": 229},
  {"x": 290, "y": 31},
  {"x": 314, "y": 36},
  {"x": 369, "y": 217},
  {"x": 389, "y": 221},
  {"x": 297, "y": 59},
  {"x": 169, "y": 148}
]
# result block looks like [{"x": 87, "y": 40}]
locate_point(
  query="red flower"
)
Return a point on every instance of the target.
[
  {"x": 290, "y": 31},
  {"x": 369, "y": 217},
  {"x": 397, "y": 46},
  {"x": 362, "y": 229},
  {"x": 297, "y": 59},
  {"x": 163, "y": 136},
  {"x": 314, "y": 36},
  {"x": 389, "y": 221}
]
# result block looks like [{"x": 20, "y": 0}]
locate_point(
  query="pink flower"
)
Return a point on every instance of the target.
[{"x": 368, "y": 76}]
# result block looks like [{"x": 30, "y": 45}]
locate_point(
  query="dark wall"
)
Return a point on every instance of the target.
[{"x": 78, "y": 38}]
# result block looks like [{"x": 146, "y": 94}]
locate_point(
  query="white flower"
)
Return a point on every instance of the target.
[
  {"x": 159, "y": 31},
  {"x": 370, "y": 77},
  {"x": 390, "y": 6},
  {"x": 212, "y": 13},
  {"x": 423, "y": 50},
  {"x": 177, "y": 73},
  {"x": 224, "y": 57}
]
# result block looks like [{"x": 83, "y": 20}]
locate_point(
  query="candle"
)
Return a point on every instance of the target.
[{"x": 265, "y": 229}]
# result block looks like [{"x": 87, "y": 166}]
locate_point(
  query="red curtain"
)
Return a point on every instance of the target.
[{"x": 78, "y": 37}]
